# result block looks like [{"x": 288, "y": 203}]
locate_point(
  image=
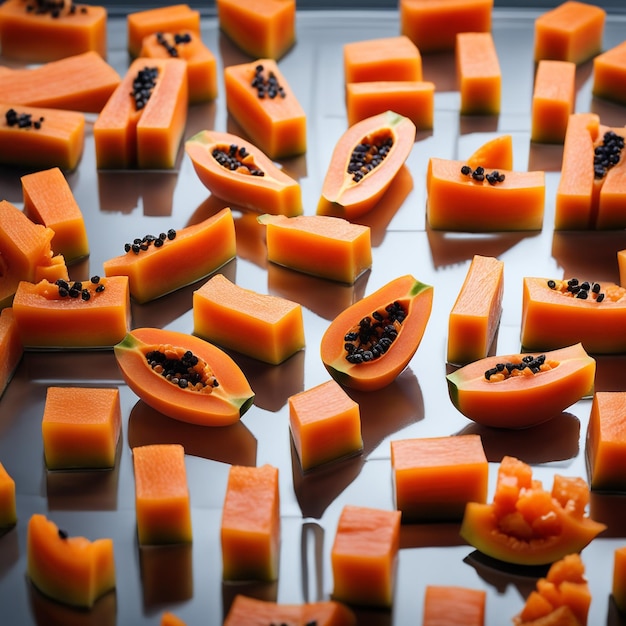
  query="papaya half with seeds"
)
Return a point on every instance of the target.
[
  {"x": 522, "y": 390},
  {"x": 183, "y": 376},
  {"x": 372, "y": 341},
  {"x": 364, "y": 162},
  {"x": 239, "y": 173}
]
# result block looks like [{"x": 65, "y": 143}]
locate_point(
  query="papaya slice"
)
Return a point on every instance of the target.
[
  {"x": 618, "y": 587},
  {"x": 372, "y": 341},
  {"x": 462, "y": 198},
  {"x": 558, "y": 313},
  {"x": 365, "y": 161},
  {"x": 8, "y": 507},
  {"x": 241, "y": 174},
  {"x": 220, "y": 393},
  {"x": 609, "y": 74},
  {"x": 261, "y": 101},
  {"x": 496, "y": 153},
  {"x": 53, "y": 31},
  {"x": 157, "y": 265},
  {"x": 526, "y": 524},
  {"x": 521, "y": 390},
  {"x": 11, "y": 349}
]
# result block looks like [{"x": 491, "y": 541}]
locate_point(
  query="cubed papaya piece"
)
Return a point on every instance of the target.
[
  {"x": 619, "y": 578},
  {"x": 11, "y": 349},
  {"x": 447, "y": 604},
  {"x": 609, "y": 74},
  {"x": 8, "y": 510}
]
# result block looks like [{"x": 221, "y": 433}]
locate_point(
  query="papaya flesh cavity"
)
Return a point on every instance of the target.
[
  {"x": 372, "y": 341},
  {"x": 527, "y": 525},
  {"x": 364, "y": 163},
  {"x": 183, "y": 376},
  {"x": 239, "y": 173},
  {"x": 521, "y": 390}
]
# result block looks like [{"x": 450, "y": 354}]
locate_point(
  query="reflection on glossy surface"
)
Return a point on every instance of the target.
[
  {"x": 610, "y": 509},
  {"x": 442, "y": 534},
  {"x": 258, "y": 590},
  {"x": 166, "y": 574},
  {"x": 10, "y": 550}
]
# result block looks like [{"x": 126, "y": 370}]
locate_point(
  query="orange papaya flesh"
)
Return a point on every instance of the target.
[
  {"x": 527, "y": 525},
  {"x": 219, "y": 393},
  {"x": 82, "y": 82},
  {"x": 462, "y": 198},
  {"x": 609, "y": 74},
  {"x": 372, "y": 341},
  {"x": 71, "y": 570},
  {"x": 52, "y": 31},
  {"x": 364, "y": 163},
  {"x": 72, "y": 314},
  {"x": 618, "y": 587},
  {"x": 521, "y": 390},
  {"x": 11, "y": 348},
  {"x": 241, "y": 174},
  {"x": 8, "y": 507},
  {"x": 160, "y": 264},
  {"x": 495, "y": 154},
  {"x": 555, "y": 314}
]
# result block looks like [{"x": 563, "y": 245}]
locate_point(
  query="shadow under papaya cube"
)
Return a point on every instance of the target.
[
  {"x": 609, "y": 509},
  {"x": 166, "y": 574},
  {"x": 253, "y": 589},
  {"x": 429, "y": 535}
]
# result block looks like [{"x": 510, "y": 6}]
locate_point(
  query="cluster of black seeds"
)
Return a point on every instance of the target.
[
  {"x": 479, "y": 174},
  {"x": 141, "y": 245},
  {"x": 374, "y": 334},
  {"x": 63, "y": 534},
  {"x": 607, "y": 154},
  {"x": 266, "y": 86},
  {"x": 53, "y": 7},
  {"x": 533, "y": 363},
  {"x": 233, "y": 158},
  {"x": 583, "y": 290},
  {"x": 77, "y": 289},
  {"x": 367, "y": 155},
  {"x": 22, "y": 120},
  {"x": 143, "y": 85},
  {"x": 179, "y": 371},
  {"x": 179, "y": 38}
]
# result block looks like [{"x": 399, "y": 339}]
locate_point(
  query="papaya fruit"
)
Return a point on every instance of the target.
[
  {"x": 239, "y": 173},
  {"x": 527, "y": 525},
  {"x": 365, "y": 161},
  {"x": 521, "y": 390},
  {"x": 372, "y": 341},
  {"x": 212, "y": 391},
  {"x": 609, "y": 74}
]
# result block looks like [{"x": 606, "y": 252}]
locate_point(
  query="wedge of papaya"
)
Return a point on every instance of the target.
[
  {"x": 163, "y": 263},
  {"x": 53, "y": 31},
  {"x": 521, "y": 390},
  {"x": 527, "y": 525},
  {"x": 372, "y": 341},
  {"x": 143, "y": 122},
  {"x": 241, "y": 174},
  {"x": 208, "y": 388},
  {"x": 364, "y": 163},
  {"x": 496, "y": 153}
]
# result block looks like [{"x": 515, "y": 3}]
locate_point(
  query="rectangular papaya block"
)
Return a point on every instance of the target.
[
  {"x": 51, "y": 32},
  {"x": 476, "y": 312},
  {"x": 266, "y": 29},
  {"x": 11, "y": 349},
  {"x": 325, "y": 424},
  {"x": 168, "y": 18},
  {"x": 261, "y": 101},
  {"x": 387, "y": 58},
  {"x": 49, "y": 200},
  {"x": 413, "y": 99},
  {"x": 83, "y": 82},
  {"x": 448, "y": 604},
  {"x": 188, "y": 46},
  {"x": 612, "y": 196},
  {"x": 609, "y": 74},
  {"x": 81, "y": 427},
  {"x": 47, "y": 317},
  {"x": 433, "y": 26},
  {"x": 572, "y": 31},
  {"x": 138, "y": 131},
  {"x": 8, "y": 509},
  {"x": 265, "y": 327},
  {"x": 162, "y": 500},
  {"x": 250, "y": 526},
  {"x": 320, "y": 245},
  {"x": 618, "y": 587},
  {"x": 478, "y": 72},
  {"x": 606, "y": 441},
  {"x": 435, "y": 477},
  {"x": 40, "y": 138},
  {"x": 364, "y": 556},
  {"x": 554, "y": 96}
]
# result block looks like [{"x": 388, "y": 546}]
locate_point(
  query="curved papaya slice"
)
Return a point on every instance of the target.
[
  {"x": 183, "y": 376},
  {"x": 521, "y": 390},
  {"x": 496, "y": 153},
  {"x": 239, "y": 173},
  {"x": 364, "y": 163},
  {"x": 372, "y": 341},
  {"x": 527, "y": 525}
]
